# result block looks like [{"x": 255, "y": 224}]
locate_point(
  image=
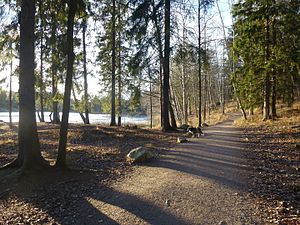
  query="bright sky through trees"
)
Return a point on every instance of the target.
[{"x": 214, "y": 34}]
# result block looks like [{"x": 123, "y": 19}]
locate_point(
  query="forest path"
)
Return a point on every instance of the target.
[{"x": 199, "y": 182}]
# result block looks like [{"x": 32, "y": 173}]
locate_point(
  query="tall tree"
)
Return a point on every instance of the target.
[
  {"x": 86, "y": 97},
  {"x": 113, "y": 66},
  {"x": 63, "y": 133},
  {"x": 29, "y": 148},
  {"x": 265, "y": 36},
  {"x": 119, "y": 64},
  {"x": 199, "y": 67},
  {"x": 54, "y": 67},
  {"x": 41, "y": 78},
  {"x": 166, "y": 71},
  {"x": 10, "y": 88}
]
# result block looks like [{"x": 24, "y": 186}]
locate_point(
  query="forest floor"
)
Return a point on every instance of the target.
[
  {"x": 273, "y": 151},
  {"x": 210, "y": 180}
]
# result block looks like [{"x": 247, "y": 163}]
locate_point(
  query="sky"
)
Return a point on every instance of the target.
[{"x": 214, "y": 31}]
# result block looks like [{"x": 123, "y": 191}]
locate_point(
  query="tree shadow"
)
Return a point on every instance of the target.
[
  {"x": 80, "y": 197},
  {"x": 217, "y": 156},
  {"x": 77, "y": 196}
]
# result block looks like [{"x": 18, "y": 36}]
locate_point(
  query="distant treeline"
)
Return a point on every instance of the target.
[
  {"x": 4, "y": 101},
  {"x": 97, "y": 104}
]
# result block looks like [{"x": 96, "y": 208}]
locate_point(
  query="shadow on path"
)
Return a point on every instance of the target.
[{"x": 218, "y": 156}]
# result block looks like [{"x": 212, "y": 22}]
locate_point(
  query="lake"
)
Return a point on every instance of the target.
[{"x": 94, "y": 118}]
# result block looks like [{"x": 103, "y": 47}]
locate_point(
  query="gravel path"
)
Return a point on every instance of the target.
[{"x": 199, "y": 182}]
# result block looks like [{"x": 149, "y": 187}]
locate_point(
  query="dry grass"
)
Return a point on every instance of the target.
[
  {"x": 231, "y": 107},
  {"x": 287, "y": 118},
  {"x": 216, "y": 117}
]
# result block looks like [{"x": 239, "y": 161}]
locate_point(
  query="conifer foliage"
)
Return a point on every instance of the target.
[{"x": 266, "y": 53}]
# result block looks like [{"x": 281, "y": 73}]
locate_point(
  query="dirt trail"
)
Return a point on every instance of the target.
[{"x": 200, "y": 182}]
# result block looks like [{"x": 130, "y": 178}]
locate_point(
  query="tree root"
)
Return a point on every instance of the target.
[
  {"x": 12, "y": 165},
  {"x": 15, "y": 171}
]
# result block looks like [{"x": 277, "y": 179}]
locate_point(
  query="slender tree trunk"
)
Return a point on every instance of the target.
[
  {"x": 10, "y": 90},
  {"x": 113, "y": 65},
  {"x": 267, "y": 82},
  {"x": 161, "y": 58},
  {"x": 251, "y": 111},
  {"x": 239, "y": 103},
  {"x": 42, "y": 117},
  {"x": 273, "y": 108},
  {"x": 54, "y": 70},
  {"x": 161, "y": 97},
  {"x": 183, "y": 77},
  {"x": 119, "y": 68},
  {"x": 29, "y": 149},
  {"x": 77, "y": 103},
  {"x": 205, "y": 74},
  {"x": 223, "y": 94},
  {"x": 274, "y": 81},
  {"x": 63, "y": 133},
  {"x": 210, "y": 105},
  {"x": 173, "y": 118},
  {"x": 199, "y": 67},
  {"x": 86, "y": 96},
  {"x": 171, "y": 110},
  {"x": 166, "y": 70},
  {"x": 175, "y": 104},
  {"x": 151, "y": 100}
]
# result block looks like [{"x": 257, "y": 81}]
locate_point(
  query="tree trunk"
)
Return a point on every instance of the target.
[
  {"x": 86, "y": 96},
  {"x": 251, "y": 111},
  {"x": 200, "y": 67},
  {"x": 205, "y": 74},
  {"x": 56, "y": 118},
  {"x": 274, "y": 86},
  {"x": 77, "y": 103},
  {"x": 161, "y": 58},
  {"x": 29, "y": 149},
  {"x": 175, "y": 104},
  {"x": 166, "y": 70},
  {"x": 267, "y": 82},
  {"x": 273, "y": 107},
  {"x": 63, "y": 133},
  {"x": 119, "y": 68},
  {"x": 161, "y": 97},
  {"x": 113, "y": 66},
  {"x": 183, "y": 77},
  {"x": 223, "y": 95},
  {"x": 151, "y": 101},
  {"x": 239, "y": 103},
  {"x": 172, "y": 115},
  {"x": 42, "y": 117},
  {"x": 10, "y": 91}
]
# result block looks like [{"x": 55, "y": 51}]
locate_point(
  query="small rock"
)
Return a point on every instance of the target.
[
  {"x": 140, "y": 154},
  {"x": 222, "y": 223}
]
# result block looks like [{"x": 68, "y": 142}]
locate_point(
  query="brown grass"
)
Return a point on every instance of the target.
[{"x": 287, "y": 118}]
